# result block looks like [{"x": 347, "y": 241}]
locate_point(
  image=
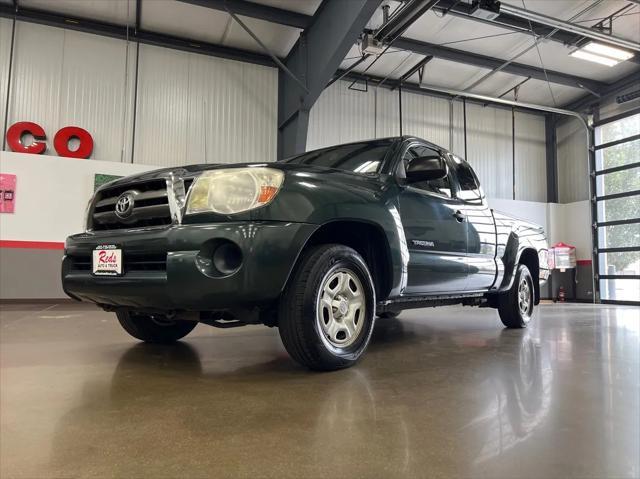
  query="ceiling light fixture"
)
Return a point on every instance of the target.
[{"x": 603, "y": 54}]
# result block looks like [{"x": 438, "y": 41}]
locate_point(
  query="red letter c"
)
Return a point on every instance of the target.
[{"x": 17, "y": 130}]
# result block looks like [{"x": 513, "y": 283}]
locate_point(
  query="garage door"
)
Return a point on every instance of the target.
[{"x": 617, "y": 182}]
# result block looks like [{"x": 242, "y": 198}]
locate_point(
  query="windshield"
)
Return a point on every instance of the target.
[{"x": 365, "y": 158}]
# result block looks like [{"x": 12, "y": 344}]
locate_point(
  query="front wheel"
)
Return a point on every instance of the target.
[
  {"x": 327, "y": 312},
  {"x": 516, "y": 305},
  {"x": 154, "y": 328}
]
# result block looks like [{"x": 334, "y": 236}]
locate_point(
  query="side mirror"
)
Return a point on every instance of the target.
[{"x": 425, "y": 168}]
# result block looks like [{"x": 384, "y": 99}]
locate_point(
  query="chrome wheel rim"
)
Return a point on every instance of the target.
[
  {"x": 341, "y": 308},
  {"x": 525, "y": 299}
]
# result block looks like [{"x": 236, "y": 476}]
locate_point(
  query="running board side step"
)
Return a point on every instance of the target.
[{"x": 413, "y": 302}]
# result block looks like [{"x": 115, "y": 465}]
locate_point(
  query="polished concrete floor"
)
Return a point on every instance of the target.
[{"x": 441, "y": 393}]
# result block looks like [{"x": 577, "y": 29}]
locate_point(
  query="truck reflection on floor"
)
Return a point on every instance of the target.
[{"x": 424, "y": 399}]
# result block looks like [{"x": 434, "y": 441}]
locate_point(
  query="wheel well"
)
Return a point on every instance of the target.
[
  {"x": 529, "y": 258},
  {"x": 368, "y": 240}
]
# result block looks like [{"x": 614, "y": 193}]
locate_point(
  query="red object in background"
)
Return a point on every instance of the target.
[
  {"x": 60, "y": 140},
  {"x": 561, "y": 295},
  {"x": 64, "y": 135},
  {"x": 18, "y": 130}
]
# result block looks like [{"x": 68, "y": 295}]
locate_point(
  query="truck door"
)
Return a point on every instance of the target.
[
  {"x": 434, "y": 228},
  {"x": 481, "y": 233}
]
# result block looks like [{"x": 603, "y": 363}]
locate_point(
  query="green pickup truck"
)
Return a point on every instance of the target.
[{"x": 318, "y": 245}]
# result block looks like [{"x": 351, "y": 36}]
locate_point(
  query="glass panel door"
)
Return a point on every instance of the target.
[{"x": 617, "y": 181}]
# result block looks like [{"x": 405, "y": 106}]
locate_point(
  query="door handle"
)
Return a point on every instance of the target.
[{"x": 459, "y": 216}]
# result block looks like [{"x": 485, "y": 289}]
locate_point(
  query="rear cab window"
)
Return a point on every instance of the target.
[{"x": 469, "y": 188}]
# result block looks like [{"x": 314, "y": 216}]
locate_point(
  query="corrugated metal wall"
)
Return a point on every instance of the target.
[
  {"x": 5, "y": 54},
  {"x": 531, "y": 164},
  {"x": 63, "y": 78},
  {"x": 198, "y": 109},
  {"x": 342, "y": 114},
  {"x": 190, "y": 108},
  {"x": 426, "y": 117},
  {"x": 489, "y": 148},
  {"x": 573, "y": 162}
]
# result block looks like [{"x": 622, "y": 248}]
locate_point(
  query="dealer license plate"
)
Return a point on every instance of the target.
[{"x": 107, "y": 260}]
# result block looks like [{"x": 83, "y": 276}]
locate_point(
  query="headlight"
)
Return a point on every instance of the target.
[{"x": 234, "y": 190}]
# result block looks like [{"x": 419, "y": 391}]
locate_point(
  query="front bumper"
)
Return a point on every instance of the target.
[{"x": 163, "y": 267}]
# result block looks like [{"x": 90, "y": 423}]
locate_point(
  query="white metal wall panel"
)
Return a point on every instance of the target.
[
  {"x": 458, "y": 129},
  {"x": 531, "y": 163},
  {"x": 65, "y": 78},
  {"x": 163, "y": 107},
  {"x": 426, "y": 117},
  {"x": 573, "y": 162},
  {"x": 341, "y": 115},
  {"x": 387, "y": 113},
  {"x": 489, "y": 148},
  {"x": 196, "y": 109},
  {"x": 5, "y": 55},
  {"x": 35, "y": 82}
]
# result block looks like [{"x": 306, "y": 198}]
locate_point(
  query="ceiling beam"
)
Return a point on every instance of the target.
[
  {"x": 256, "y": 10},
  {"x": 140, "y": 36},
  {"x": 411, "y": 87},
  {"x": 416, "y": 68},
  {"x": 586, "y": 102},
  {"x": 483, "y": 61}
]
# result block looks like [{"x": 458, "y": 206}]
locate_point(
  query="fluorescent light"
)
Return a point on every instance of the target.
[
  {"x": 603, "y": 54},
  {"x": 607, "y": 51},
  {"x": 592, "y": 57}
]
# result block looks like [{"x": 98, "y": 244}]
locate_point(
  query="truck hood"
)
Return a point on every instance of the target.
[{"x": 315, "y": 172}]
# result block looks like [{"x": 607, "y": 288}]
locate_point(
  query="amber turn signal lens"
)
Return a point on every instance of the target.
[{"x": 267, "y": 193}]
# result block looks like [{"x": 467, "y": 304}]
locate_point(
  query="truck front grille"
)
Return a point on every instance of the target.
[
  {"x": 150, "y": 206},
  {"x": 133, "y": 262}
]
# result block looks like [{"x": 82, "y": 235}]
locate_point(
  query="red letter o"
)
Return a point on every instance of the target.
[
  {"x": 61, "y": 142},
  {"x": 17, "y": 130}
]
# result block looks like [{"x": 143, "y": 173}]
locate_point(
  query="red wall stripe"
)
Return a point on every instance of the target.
[{"x": 31, "y": 244}]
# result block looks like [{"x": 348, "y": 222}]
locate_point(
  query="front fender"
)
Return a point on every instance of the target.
[{"x": 314, "y": 199}]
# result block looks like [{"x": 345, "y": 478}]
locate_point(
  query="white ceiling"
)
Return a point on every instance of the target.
[{"x": 203, "y": 24}]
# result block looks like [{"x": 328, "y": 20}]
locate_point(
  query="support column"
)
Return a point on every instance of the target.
[{"x": 314, "y": 59}]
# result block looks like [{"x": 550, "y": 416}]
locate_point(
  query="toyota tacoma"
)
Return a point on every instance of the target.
[{"x": 318, "y": 245}]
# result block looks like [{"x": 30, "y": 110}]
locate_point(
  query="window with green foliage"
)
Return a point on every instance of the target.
[{"x": 618, "y": 208}]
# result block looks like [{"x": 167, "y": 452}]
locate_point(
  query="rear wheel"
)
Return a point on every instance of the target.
[
  {"x": 516, "y": 306},
  {"x": 154, "y": 328},
  {"x": 327, "y": 312}
]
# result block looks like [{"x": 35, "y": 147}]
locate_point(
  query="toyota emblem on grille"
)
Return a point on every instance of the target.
[{"x": 124, "y": 204}]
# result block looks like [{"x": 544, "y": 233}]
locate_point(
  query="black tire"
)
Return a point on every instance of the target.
[
  {"x": 154, "y": 329},
  {"x": 514, "y": 311},
  {"x": 302, "y": 309},
  {"x": 389, "y": 314}
]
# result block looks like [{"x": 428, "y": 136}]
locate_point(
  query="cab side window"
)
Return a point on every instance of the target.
[
  {"x": 440, "y": 187},
  {"x": 469, "y": 187}
]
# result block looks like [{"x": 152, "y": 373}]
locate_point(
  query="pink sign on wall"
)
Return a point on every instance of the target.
[{"x": 7, "y": 193}]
